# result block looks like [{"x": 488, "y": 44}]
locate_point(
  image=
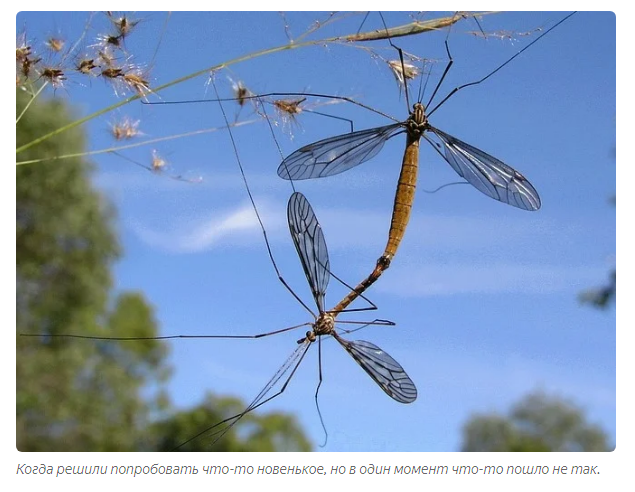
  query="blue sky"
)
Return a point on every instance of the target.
[{"x": 484, "y": 295}]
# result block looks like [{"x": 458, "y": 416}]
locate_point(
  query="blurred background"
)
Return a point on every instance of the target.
[{"x": 505, "y": 319}]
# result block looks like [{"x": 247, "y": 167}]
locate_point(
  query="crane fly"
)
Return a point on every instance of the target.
[
  {"x": 484, "y": 172},
  {"x": 335, "y": 155},
  {"x": 310, "y": 245}
]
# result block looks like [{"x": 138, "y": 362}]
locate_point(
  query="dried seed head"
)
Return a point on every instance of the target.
[
  {"x": 85, "y": 66},
  {"x": 24, "y": 61},
  {"x": 241, "y": 93},
  {"x": 55, "y": 76},
  {"x": 123, "y": 24},
  {"x": 135, "y": 81},
  {"x": 55, "y": 44},
  {"x": 407, "y": 70},
  {"x": 287, "y": 110},
  {"x": 112, "y": 73},
  {"x": 158, "y": 163},
  {"x": 126, "y": 78},
  {"x": 125, "y": 129},
  {"x": 26, "y": 65},
  {"x": 111, "y": 40},
  {"x": 289, "y": 107},
  {"x": 504, "y": 35},
  {"x": 107, "y": 43},
  {"x": 22, "y": 53},
  {"x": 106, "y": 56},
  {"x": 160, "y": 166},
  {"x": 22, "y": 47}
]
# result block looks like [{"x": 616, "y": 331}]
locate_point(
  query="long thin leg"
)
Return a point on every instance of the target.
[
  {"x": 359, "y": 29},
  {"x": 167, "y": 337},
  {"x": 457, "y": 89},
  {"x": 403, "y": 66},
  {"x": 277, "y": 94},
  {"x": 312, "y": 111},
  {"x": 445, "y": 72},
  {"x": 355, "y": 292},
  {"x": 317, "y": 390},
  {"x": 253, "y": 204}
]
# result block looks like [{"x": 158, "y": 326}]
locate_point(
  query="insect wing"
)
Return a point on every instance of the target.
[
  {"x": 486, "y": 173},
  {"x": 336, "y": 154},
  {"x": 310, "y": 244},
  {"x": 384, "y": 370},
  {"x": 215, "y": 432}
]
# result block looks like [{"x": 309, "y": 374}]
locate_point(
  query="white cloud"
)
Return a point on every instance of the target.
[{"x": 233, "y": 226}]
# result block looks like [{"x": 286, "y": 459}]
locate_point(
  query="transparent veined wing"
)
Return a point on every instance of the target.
[
  {"x": 485, "y": 172},
  {"x": 384, "y": 370},
  {"x": 308, "y": 238},
  {"x": 215, "y": 432},
  {"x": 336, "y": 154}
]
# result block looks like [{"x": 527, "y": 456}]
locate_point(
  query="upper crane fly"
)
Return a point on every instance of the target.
[
  {"x": 310, "y": 244},
  {"x": 486, "y": 173}
]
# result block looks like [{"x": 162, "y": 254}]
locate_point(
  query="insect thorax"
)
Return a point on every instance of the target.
[
  {"x": 417, "y": 122},
  {"x": 324, "y": 325}
]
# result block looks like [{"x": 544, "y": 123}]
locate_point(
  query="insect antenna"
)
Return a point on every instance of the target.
[{"x": 422, "y": 85}]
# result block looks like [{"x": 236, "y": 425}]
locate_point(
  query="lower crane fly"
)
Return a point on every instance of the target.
[{"x": 310, "y": 244}]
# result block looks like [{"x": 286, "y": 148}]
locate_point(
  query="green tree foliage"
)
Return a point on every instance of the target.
[
  {"x": 88, "y": 395},
  {"x": 601, "y": 297},
  {"x": 74, "y": 395},
  {"x": 536, "y": 423},
  {"x": 604, "y": 296}
]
